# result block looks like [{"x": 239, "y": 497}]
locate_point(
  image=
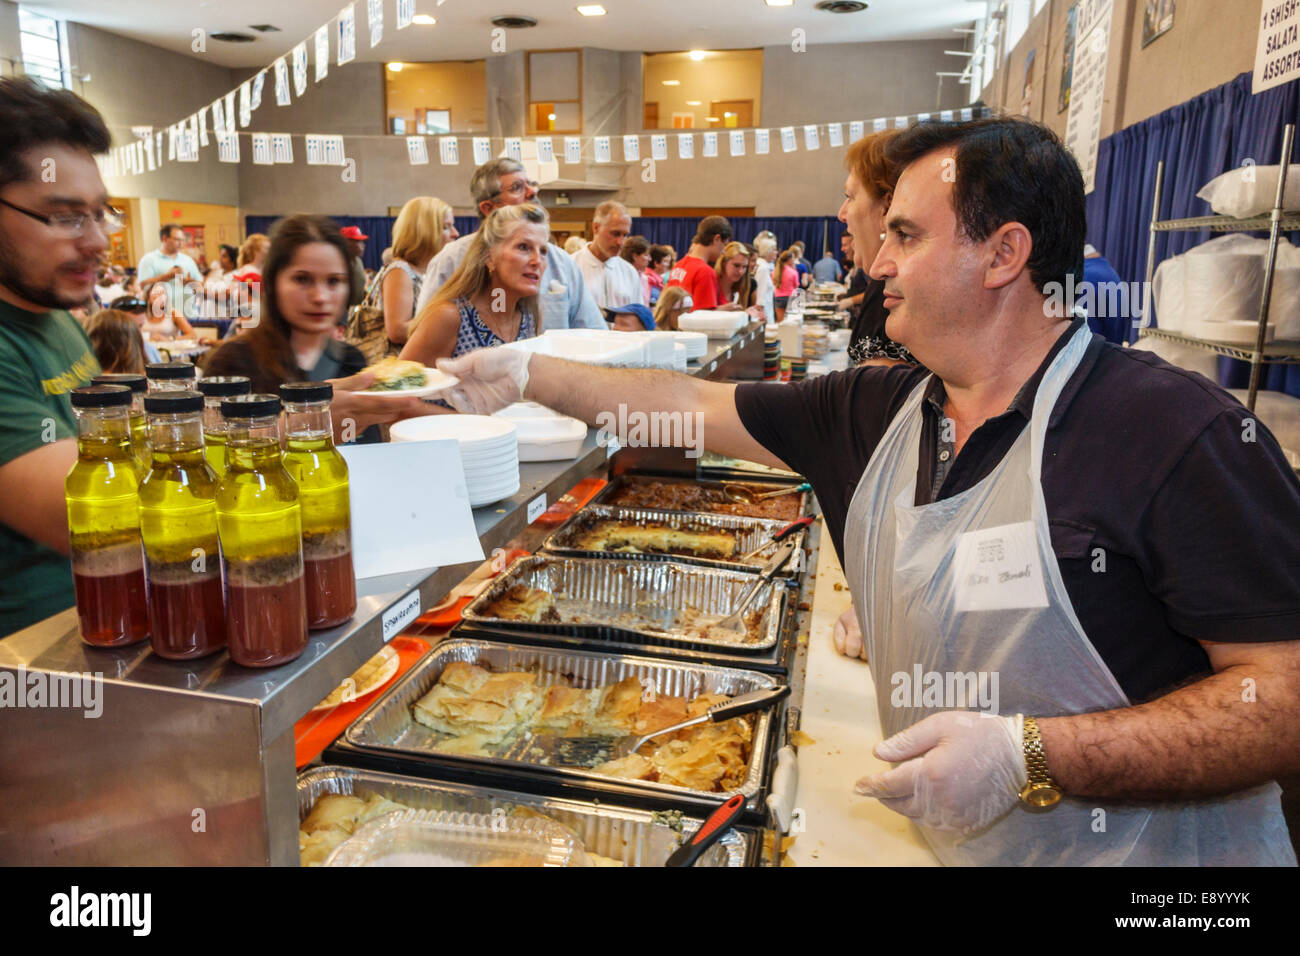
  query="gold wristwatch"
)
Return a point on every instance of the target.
[{"x": 1041, "y": 792}]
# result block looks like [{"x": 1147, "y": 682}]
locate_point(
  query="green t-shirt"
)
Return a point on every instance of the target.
[{"x": 43, "y": 356}]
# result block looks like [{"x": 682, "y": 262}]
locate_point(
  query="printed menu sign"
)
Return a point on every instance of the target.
[
  {"x": 1083, "y": 127},
  {"x": 1277, "y": 52}
]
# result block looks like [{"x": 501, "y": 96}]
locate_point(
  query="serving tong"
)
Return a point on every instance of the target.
[
  {"x": 734, "y": 623},
  {"x": 593, "y": 751},
  {"x": 737, "y": 491},
  {"x": 798, "y": 524},
  {"x": 715, "y": 826}
]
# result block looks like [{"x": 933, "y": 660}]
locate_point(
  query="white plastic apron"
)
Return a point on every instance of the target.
[{"x": 901, "y": 568}]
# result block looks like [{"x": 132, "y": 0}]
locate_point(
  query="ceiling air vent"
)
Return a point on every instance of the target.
[
  {"x": 228, "y": 37},
  {"x": 264, "y": 28},
  {"x": 841, "y": 6},
  {"x": 514, "y": 22}
]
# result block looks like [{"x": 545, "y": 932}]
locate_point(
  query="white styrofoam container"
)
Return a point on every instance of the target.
[
  {"x": 550, "y": 439},
  {"x": 696, "y": 343},
  {"x": 611, "y": 339},
  {"x": 592, "y": 351},
  {"x": 658, "y": 348},
  {"x": 716, "y": 325}
]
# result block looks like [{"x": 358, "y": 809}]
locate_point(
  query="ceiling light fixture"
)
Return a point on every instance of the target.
[
  {"x": 423, "y": 19},
  {"x": 779, "y": 3},
  {"x": 672, "y": 82},
  {"x": 694, "y": 103},
  {"x": 591, "y": 9},
  {"x": 697, "y": 55},
  {"x": 395, "y": 66}
]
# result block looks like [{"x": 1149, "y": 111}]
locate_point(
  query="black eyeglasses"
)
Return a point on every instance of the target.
[
  {"x": 72, "y": 225},
  {"x": 518, "y": 188}
]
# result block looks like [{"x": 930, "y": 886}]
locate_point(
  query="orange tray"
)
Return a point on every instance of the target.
[
  {"x": 320, "y": 728},
  {"x": 569, "y": 502}
]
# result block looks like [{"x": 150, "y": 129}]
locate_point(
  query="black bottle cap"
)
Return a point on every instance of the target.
[
  {"x": 171, "y": 370},
  {"x": 173, "y": 403},
  {"x": 132, "y": 380},
  {"x": 306, "y": 392},
  {"x": 250, "y": 406},
  {"x": 100, "y": 396},
  {"x": 224, "y": 386}
]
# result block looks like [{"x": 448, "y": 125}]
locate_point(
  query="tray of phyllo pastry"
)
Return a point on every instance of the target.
[
  {"x": 709, "y": 540},
  {"x": 746, "y": 498},
  {"x": 337, "y": 804},
  {"x": 664, "y": 603},
  {"x": 538, "y": 718}
]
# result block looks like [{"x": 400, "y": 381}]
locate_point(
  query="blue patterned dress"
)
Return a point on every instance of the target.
[{"x": 474, "y": 334}]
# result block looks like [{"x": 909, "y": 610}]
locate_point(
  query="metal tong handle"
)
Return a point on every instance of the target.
[
  {"x": 798, "y": 524},
  {"x": 755, "y": 497},
  {"x": 735, "y": 707},
  {"x": 714, "y": 827},
  {"x": 770, "y": 570}
]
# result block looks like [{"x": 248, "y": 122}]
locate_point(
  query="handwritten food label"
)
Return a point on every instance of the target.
[
  {"x": 536, "y": 508},
  {"x": 999, "y": 568},
  {"x": 400, "y": 615}
]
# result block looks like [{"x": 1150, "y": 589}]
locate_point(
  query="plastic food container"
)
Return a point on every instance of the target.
[
  {"x": 590, "y": 346},
  {"x": 449, "y": 838},
  {"x": 545, "y": 435},
  {"x": 716, "y": 325}
]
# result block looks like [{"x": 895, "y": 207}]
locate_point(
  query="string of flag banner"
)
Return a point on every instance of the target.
[{"x": 234, "y": 111}]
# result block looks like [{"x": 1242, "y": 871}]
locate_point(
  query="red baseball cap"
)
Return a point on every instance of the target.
[{"x": 352, "y": 232}]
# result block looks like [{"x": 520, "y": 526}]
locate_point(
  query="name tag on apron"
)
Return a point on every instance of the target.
[{"x": 998, "y": 569}]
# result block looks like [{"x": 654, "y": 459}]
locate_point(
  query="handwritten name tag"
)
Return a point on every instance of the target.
[{"x": 999, "y": 569}]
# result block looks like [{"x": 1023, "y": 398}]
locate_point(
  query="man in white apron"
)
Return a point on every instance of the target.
[{"x": 1150, "y": 735}]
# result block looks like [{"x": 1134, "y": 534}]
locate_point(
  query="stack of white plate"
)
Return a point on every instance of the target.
[
  {"x": 679, "y": 356},
  {"x": 697, "y": 343},
  {"x": 489, "y": 450}
]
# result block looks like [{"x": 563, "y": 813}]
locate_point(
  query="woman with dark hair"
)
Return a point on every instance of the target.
[
  {"x": 661, "y": 260},
  {"x": 636, "y": 250},
  {"x": 306, "y": 284}
]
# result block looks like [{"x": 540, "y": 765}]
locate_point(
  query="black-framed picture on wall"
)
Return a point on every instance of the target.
[
  {"x": 1157, "y": 20},
  {"x": 1067, "y": 60}
]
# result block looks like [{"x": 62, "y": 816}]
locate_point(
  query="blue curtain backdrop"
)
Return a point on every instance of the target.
[
  {"x": 1208, "y": 135},
  {"x": 378, "y": 228}
]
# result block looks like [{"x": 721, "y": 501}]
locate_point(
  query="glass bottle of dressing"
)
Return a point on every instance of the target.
[
  {"x": 214, "y": 389},
  {"x": 322, "y": 476},
  {"x": 171, "y": 376},
  {"x": 138, "y": 385},
  {"x": 178, "y": 524},
  {"x": 260, "y": 523},
  {"x": 104, "y": 520}
]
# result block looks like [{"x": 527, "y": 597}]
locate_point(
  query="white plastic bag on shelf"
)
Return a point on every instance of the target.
[
  {"x": 1221, "y": 281},
  {"x": 1280, "y": 414},
  {"x": 1184, "y": 356},
  {"x": 1249, "y": 191}
]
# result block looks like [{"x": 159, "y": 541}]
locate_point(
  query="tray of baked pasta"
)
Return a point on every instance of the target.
[
  {"x": 335, "y": 802},
  {"x": 666, "y": 603},
  {"x": 710, "y": 540},
  {"x": 748, "y": 498},
  {"x": 517, "y": 713}
]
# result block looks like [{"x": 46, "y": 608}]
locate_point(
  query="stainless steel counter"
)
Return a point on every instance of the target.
[{"x": 192, "y": 762}]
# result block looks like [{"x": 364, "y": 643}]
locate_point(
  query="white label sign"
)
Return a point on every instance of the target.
[
  {"x": 262, "y": 149},
  {"x": 282, "y": 147},
  {"x": 482, "y": 150},
  {"x": 835, "y": 135},
  {"x": 711, "y": 144},
  {"x": 810, "y": 138},
  {"x": 999, "y": 568},
  {"x": 878, "y": 125},
  {"x": 1277, "y": 50},
  {"x": 788, "y": 143},
  {"x": 631, "y": 149},
  {"x": 603, "y": 153},
  {"x": 900, "y": 122},
  {"x": 737, "y": 143},
  {"x": 401, "y": 615},
  {"x": 347, "y": 41},
  {"x": 659, "y": 147},
  {"x": 573, "y": 149},
  {"x": 218, "y": 117},
  {"x": 685, "y": 146},
  {"x": 449, "y": 151},
  {"x": 545, "y": 150},
  {"x": 322, "y": 53},
  {"x": 536, "y": 508},
  {"x": 417, "y": 150},
  {"x": 857, "y": 129},
  {"x": 762, "y": 144}
]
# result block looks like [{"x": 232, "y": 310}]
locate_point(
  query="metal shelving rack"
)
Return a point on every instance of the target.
[{"x": 1275, "y": 222}]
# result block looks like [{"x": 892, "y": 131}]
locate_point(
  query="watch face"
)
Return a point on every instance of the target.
[{"x": 1042, "y": 796}]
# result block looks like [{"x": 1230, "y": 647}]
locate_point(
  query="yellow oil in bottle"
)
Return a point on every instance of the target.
[
  {"x": 104, "y": 521},
  {"x": 138, "y": 385},
  {"x": 214, "y": 389}
]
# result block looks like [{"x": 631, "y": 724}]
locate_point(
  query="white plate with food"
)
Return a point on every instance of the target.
[
  {"x": 372, "y": 675},
  {"x": 401, "y": 379}
]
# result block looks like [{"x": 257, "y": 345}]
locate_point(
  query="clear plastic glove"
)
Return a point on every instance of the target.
[
  {"x": 847, "y": 635},
  {"x": 958, "y": 770},
  {"x": 490, "y": 379}
]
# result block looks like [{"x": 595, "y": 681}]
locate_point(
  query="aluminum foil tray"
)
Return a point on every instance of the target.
[
  {"x": 388, "y": 729},
  {"x": 749, "y": 534},
  {"x": 630, "y": 836},
  {"x": 590, "y": 593},
  {"x": 797, "y": 504}
]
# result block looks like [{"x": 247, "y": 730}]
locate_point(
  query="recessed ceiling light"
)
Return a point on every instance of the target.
[
  {"x": 591, "y": 9},
  {"x": 694, "y": 103},
  {"x": 697, "y": 55},
  {"x": 396, "y": 67},
  {"x": 779, "y": 3},
  {"x": 672, "y": 82},
  {"x": 423, "y": 19}
]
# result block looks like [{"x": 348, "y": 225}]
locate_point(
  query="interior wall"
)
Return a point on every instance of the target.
[
  {"x": 10, "y": 51},
  {"x": 221, "y": 224},
  {"x": 721, "y": 75},
  {"x": 459, "y": 86}
]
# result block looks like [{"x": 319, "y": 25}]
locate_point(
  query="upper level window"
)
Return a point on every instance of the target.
[
  {"x": 43, "y": 44},
  {"x": 555, "y": 91},
  {"x": 433, "y": 98},
  {"x": 702, "y": 89}
]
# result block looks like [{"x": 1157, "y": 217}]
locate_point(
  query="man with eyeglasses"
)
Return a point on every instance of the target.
[
  {"x": 563, "y": 298},
  {"x": 168, "y": 265}
]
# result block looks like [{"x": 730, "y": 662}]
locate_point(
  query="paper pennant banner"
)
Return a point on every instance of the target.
[
  {"x": 282, "y": 147},
  {"x": 158, "y": 147},
  {"x": 856, "y": 130},
  {"x": 315, "y": 149},
  {"x": 417, "y": 150},
  {"x": 482, "y": 150},
  {"x": 347, "y": 42},
  {"x": 737, "y": 138},
  {"x": 900, "y": 122},
  {"x": 545, "y": 150},
  {"x": 710, "y": 144},
  {"x": 685, "y": 145},
  {"x": 877, "y": 125},
  {"x": 788, "y": 143},
  {"x": 218, "y": 117},
  {"x": 835, "y": 135},
  {"x": 230, "y": 112},
  {"x": 514, "y": 148},
  {"x": 228, "y": 147},
  {"x": 405, "y": 13},
  {"x": 659, "y": 146},
  {"x": 322, "y": 53},
  {"x": 449, "y": 151},
  {"x": 148, "y": 153},
  {"x": 262, "y": 149},
  {"x": 258, "y": 82},
  {"x": 967, "y": 114},
  {"x": 282, "y": 83},
  {"x": 923, "y": 117},
  {"x": 375, "y": 17},
  {"x": 603, "y": 154},
  {"x": 334, "y": 152},
  {"x": 171, "y": 143},
  {"x": 573, "y": 149},
  {"x": 300, "y": 69},
  {"x": 631, "y": 148},
  {"x": 761, "y": 142},
  {"x": 810, "y": 138},
  {"x": 945, "y": 116}
]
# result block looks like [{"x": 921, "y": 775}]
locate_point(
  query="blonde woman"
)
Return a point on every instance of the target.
[
  {"x": 736, "y": 282},
  {"x": 673, "y": 301},
  {"x": 492, "y": 298},
  {"x": 381, "y": 325}
]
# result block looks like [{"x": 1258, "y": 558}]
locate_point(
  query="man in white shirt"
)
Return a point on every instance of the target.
[
  {"x": 167, "y": 264},
  {"x": 563, "y": 297},
  {"x": 612, "y": 280}
]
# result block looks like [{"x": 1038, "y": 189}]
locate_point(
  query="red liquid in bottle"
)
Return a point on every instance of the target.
[
  {"x": 266, "y": 624},
  {"x": 187, "y": 618},
  {"x": 112, "y": 608},
  {"x": 331, "y": 590}
]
